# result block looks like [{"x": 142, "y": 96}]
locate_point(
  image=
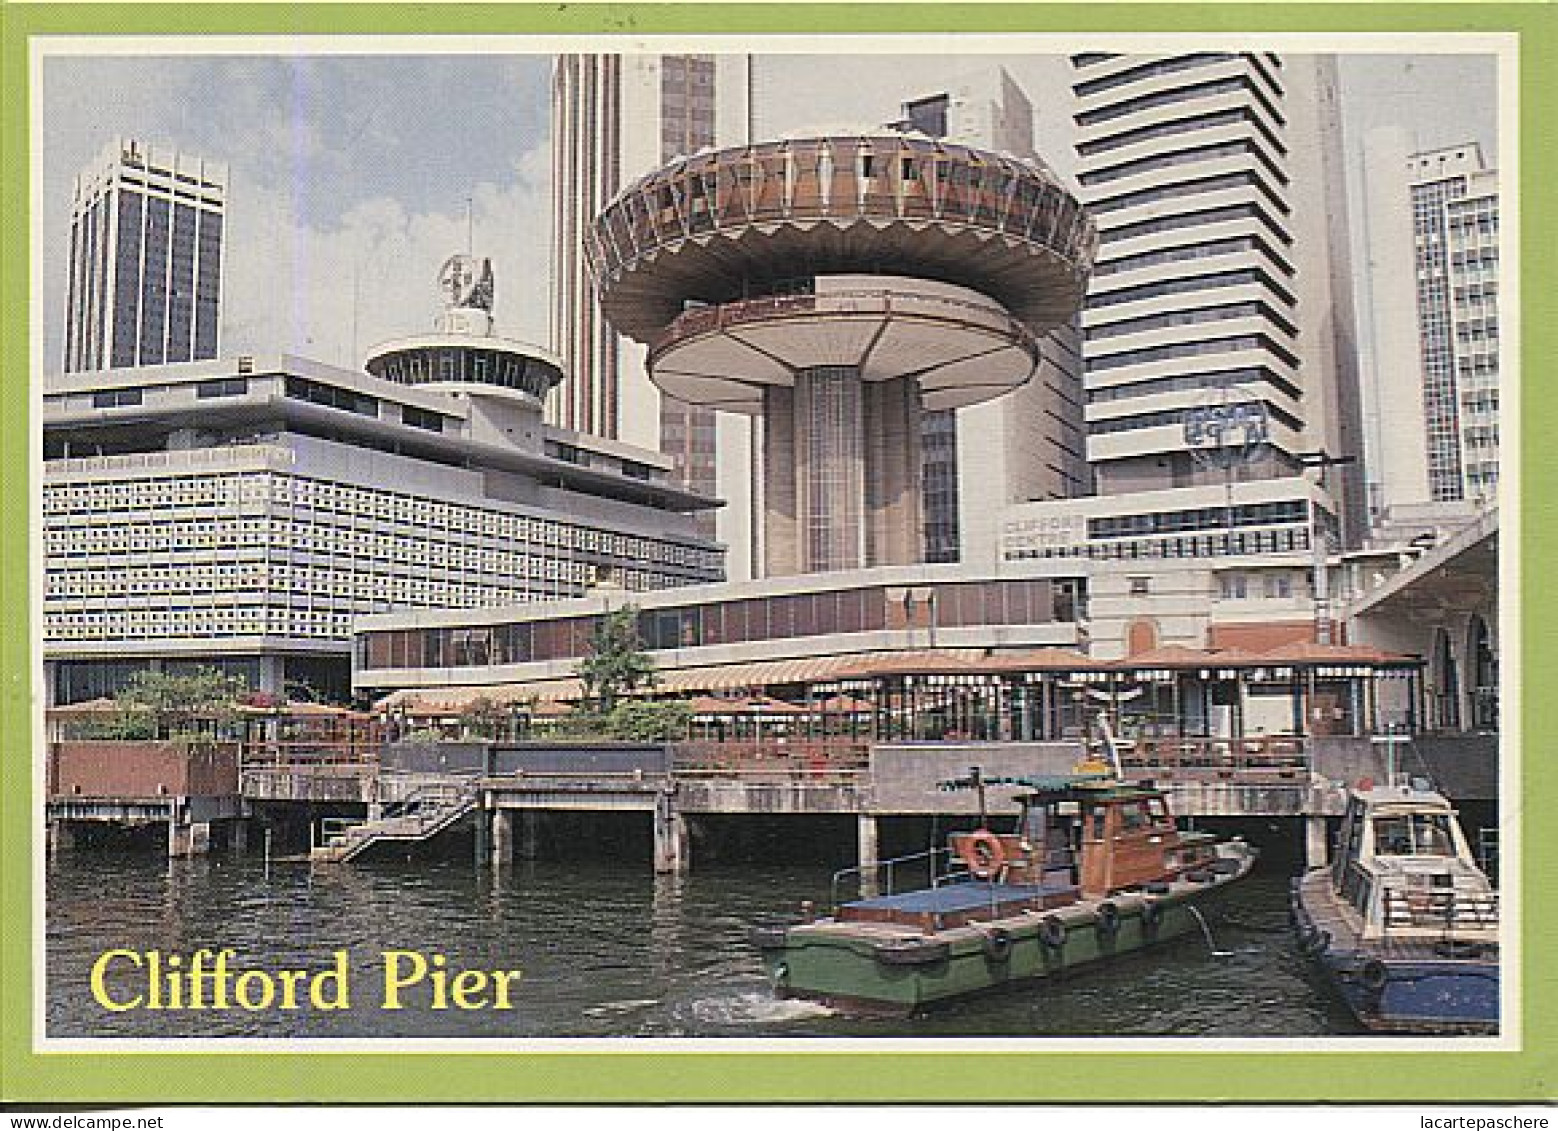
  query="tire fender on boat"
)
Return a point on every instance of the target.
[
  {"x": 1151, "y": 915},
  {"x": 1108, "y": 919},
  {"x": 1374, "y": 975},
  {"x": 912, "y": 953},
  {"x": 997, "y": 944},
  {"x": 1052, "y": 932},
  {"x": 1315, "y": 941}
]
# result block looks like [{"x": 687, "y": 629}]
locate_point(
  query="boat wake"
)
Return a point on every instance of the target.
[
  {"x": 612, "y": 1008},
  {"x": 756, "y": 1008}
]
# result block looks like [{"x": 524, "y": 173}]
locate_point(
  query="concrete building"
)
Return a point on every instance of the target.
[
  {"x": 586, "y": 173},
  {"x": 1031, "y": 441},
  {"x": 1433, "y": 243},
  {"x": 241, "y": 512},
  {"x": 1222, "y": 284},
  {"x": 145, "y": 283},
  {"x": 929, "y": 286},
  {"x": 613, "y": 118}
]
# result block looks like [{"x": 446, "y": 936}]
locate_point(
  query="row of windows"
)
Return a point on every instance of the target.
[
  {"x": 1193, "y": 155},
  {"x": 1189, "y": 252},
  {"x": 1188, "y": 284},
  {"x": 1194, "y": 317},
  {"x": 732, "y": 622},
  {"x": 161, "y": 500},
  {"x": 1151, "y": 70},
  {"x": 331, "y": 396},
  {"x": 1196, "y": 219},
  {"x": 1191, "y": 93},
  {"x": 1222, "y": 379},
  {"x": 1174, "y": 417},
  {"x": 1191, "y": 349},
  {"x": 1193, "y": 124},
  {"x": 1277, "y": 541},
  {"x": 1287, "y": 511}
]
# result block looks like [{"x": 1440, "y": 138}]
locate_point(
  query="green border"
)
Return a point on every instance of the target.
[{"x": 942, "y": 1075}]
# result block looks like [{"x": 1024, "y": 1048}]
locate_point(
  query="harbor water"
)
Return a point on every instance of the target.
[{"x": 607, "y": 949}]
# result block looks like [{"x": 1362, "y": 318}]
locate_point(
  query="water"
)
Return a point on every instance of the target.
[{"x": 609, "y": 950}]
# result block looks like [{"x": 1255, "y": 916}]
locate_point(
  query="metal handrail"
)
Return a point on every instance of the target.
[
  {"x": 708, "y": 319},
  {"x": 929, "y": 855},
  {"x": 1447, "y": 908}
]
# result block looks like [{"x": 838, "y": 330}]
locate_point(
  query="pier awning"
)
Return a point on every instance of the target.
[{"x": 716, "y": 679}]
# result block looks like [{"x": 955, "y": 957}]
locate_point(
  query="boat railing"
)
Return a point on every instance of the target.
[
  {"x": 1444, "y": 908},
  {"x": 925, "y": 867}
]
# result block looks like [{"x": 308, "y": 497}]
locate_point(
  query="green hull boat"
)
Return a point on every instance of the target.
[{"x": 1092, "y": 871}]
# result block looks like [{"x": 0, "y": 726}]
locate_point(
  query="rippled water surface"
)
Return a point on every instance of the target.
[{"x": 609, "y": 950}]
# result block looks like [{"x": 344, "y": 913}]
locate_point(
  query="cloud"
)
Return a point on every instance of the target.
[{"x": 329, "y": 293}]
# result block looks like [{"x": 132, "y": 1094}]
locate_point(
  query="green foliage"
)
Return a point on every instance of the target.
[
  {"x": 483, "y": 717},
  {"x": 644, "y": 721},
  {"x": 155, "y": 704},
  {"x": 638, "y": 720},
  {"x": 616, "y": 664}
]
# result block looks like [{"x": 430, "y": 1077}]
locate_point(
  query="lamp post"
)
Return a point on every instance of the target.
[{"x": 1319, "y": 544}]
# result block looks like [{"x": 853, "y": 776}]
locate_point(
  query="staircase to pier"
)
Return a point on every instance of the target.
[{"x": 419, "y": 816}]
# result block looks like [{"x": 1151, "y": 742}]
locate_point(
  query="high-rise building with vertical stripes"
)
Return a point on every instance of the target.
[
  {"x": 146, "y": 241},
  {"x": 1455, "y": 215},
  {"x": 614, "y": 117},
  {"x": 1223, "y": 270},
  {"x": 586, "y": 174}
]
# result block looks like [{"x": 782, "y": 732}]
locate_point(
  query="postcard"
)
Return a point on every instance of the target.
[{"x": 657, "y": 554}]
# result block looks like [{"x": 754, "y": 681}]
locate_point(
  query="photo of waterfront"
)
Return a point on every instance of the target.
[{"x": 752, "y": 543}]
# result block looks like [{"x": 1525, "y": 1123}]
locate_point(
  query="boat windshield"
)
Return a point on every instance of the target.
[{"x": 1413, "y": 834}]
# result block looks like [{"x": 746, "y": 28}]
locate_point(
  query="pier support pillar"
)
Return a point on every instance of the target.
[
  {"x": 188, "y": 838},
  {"x": 483, "y": 838},
  {"x": 671, "y": 847},
  {"x": 238, "y": 839},
  {"x": 866, "y": 835},
  {"x": 530, "y": 833},
  {"x": 1315, "y": 842},
  {"x": 502, "y": 836},
  {"x": 61, "y": 837}
]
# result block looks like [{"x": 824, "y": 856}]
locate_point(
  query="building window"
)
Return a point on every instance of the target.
[
  {"x": 1139, "y": 586},
  {"x": 226, "y": 387},
  {"x": 118, "y": 398}
]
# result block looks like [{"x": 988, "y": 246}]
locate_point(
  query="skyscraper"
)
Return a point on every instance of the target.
[
  {"x": 586, "y": 172},
  {"x": 613, "y": 118},
  {"x": 1215, "y": 178},
  {"x": 145, "y": 283},
  {"x": 1432, "y": 237}
]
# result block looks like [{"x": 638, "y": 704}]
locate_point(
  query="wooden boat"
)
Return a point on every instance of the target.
[
  {"x": 1403, "y": 922},
  {"x": 1094, "y": 868}
]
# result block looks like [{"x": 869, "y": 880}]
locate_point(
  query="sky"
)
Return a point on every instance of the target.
[{"x": 354, "y": 176}]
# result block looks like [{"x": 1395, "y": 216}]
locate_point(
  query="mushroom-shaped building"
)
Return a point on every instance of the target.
[{"x": 839, "y": 286}]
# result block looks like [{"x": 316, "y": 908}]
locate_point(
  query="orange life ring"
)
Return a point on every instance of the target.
[{"x": 984, "y": 854}]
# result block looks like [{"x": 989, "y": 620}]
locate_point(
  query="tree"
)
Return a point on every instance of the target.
[
  {"x": 483, "y": 717},
  {"x": 616, "y": 664},
  {"x": 157, "y": 704}
]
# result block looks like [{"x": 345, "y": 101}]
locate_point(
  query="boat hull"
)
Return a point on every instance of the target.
[
  {"x": 861, "y": 969},
  {"x": 1401, "y": 990}
]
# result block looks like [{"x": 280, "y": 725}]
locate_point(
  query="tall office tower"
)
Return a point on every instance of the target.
[
  {"x": 1031, "y": 441},
  {"x": 1432, "y": 221},
  {"x": 613, "y": 118},
  {"x": 687, "y": 89},
  {"x": 145, "y": 282},
  {"x": 1222, "y": 280},
  {"x": 586, "y": 173}
]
